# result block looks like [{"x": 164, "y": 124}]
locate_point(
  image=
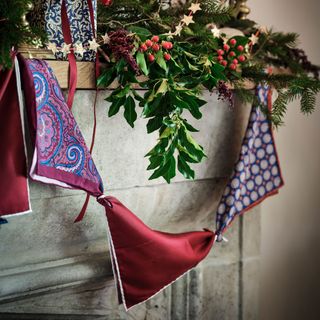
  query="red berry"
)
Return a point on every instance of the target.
[
  {"x": 232, "y": 66},
  {"x": 240, "y": 48},
  {"x": 149, "y": 43},
  {"x": 155, "y": 47},
  {"x": 220, "y": 52},
  {"x": 226, "y": 47},
  {"x": 151, "y": 57},
  {"x": 233, "y": 42},
  {"x": 220, "y": 58},
  {"x": 232, "y": 54},
  {"x": 241, "y": 58},
  {"x": 235, "y": 61},
  {"x": 167, "y": 56},
  {"x": 155, "y": 39},
  {"x": 167, "y": 45},
  {"x": 223, "y": 62},
  {"x": 143, "y": 47},
  {"x": 106, "y": 2}
]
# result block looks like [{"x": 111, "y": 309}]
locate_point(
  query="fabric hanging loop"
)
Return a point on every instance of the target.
[{"x": 71, "y": 57}]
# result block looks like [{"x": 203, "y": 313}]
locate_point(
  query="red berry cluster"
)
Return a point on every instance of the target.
[
  {"x": 152, "y": 46},
  {"x": 231, "y": 55}
]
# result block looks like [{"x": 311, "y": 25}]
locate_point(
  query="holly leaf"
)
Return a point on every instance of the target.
[
  {"x": 190, "y": 127},
  {"x": 115, "y": 106},
  {"x": 154, "y": 124},
  {"x": 161, "y": 171},
  {"x": 141, "y": 61},
  {"x": 129, "y": 111},
  {"x": 160, "y": 61},
  {"x": 106, "y": 78},
  {"x": 141, "y": 32},
  {"x": 184, "y": 168},
  {"x": 123, "y": 92},
  {"x": 155, "y": 162},
  {"x": 171, "y": 172}
]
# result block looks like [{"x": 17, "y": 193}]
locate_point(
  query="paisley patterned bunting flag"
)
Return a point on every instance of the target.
[{"x": 61, "y": 156}]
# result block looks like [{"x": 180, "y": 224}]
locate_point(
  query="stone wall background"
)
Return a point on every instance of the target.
[{"x": 51, "y": 268}]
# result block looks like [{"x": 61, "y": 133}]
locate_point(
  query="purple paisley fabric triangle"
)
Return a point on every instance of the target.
[{"x": 61, "y": 156}]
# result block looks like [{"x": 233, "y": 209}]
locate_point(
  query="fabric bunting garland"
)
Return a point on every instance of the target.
[
  {"x": 145, "y": 261},
  {"x": 62, "y": 158}
]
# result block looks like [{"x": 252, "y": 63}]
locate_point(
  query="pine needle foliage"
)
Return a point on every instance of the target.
[{"x": 12, "y": 31}]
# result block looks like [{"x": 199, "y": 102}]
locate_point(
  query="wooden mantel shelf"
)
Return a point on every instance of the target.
[
  {"x": 86, "y": 75},
  {"x": 85, "y": 70}
]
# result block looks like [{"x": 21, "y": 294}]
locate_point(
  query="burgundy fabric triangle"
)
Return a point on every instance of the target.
[{"x": 145, "y": 261}]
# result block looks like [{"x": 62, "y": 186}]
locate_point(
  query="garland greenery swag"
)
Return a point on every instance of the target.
[
  {"x": 173, "y": 54},
  {"x": 181, "y": 51}
]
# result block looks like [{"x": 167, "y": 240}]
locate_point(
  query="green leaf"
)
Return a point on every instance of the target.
[
  {"x": 129, "y": 111},
  {"x": 106, "y": 78},
  {"x": 115, "y": 106},
  {"x": 187, "y": 157},
  {"x": 161, "y": 171},
  {"x": 166, "y": 133},
  {"x": 155, "y": 162},
  {"x": 160, "y": 61},
  {"x": 154, "y": 124},
  {"x": 120, "y": 65},
  {"x": 150, "y": 107},
  {"x": 123, "y": 91},
  {"x": 141, "y": 32},
  {"x": 171, "y": 172},
  {"x": 185, "y": 169},
  {"x": 169, "y": 123},
  {"x": 190, "y": 145},
  {"x": 163, "y": 87},
  {"x": 159, "y": 148},
  {"x": 141, "y": 60},
  {"x": 190, "y": 127},
  {"x": 194, "y": 108}
]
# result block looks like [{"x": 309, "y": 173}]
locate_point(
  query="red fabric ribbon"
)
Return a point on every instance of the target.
[{"x": 71, "y": 57}]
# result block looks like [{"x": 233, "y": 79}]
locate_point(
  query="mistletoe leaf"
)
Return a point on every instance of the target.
[
  {"x": 141, "y": 61},
  {"x": 129, "y": 111}
]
